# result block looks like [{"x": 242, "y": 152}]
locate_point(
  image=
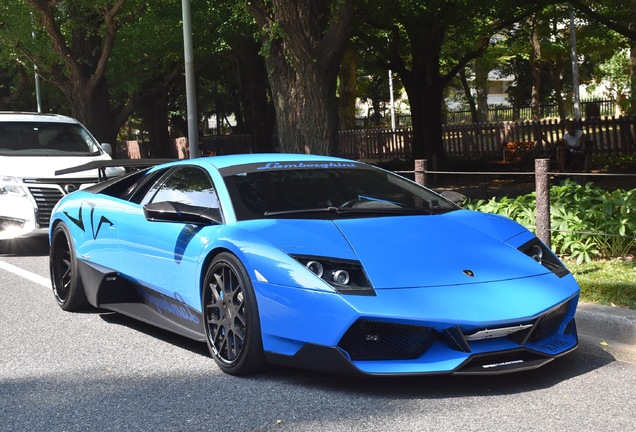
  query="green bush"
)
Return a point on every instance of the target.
[
  {"x": 588, "y": 222},
  {"x": 614, "y": 164}
]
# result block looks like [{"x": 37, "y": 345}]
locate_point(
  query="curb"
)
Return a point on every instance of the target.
[{"x": 607, "y": 322}]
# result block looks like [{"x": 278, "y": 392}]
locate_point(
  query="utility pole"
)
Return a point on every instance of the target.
[
  {"x": 392, "y": 107},
  {"x": 575, "y": 67},
  {"x": 38, "y": 93},
  {"x": 191, "y": 97}
]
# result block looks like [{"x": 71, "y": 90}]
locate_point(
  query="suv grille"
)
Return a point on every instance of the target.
[
  {"x": 46, "y": 198},
  {"x": 48, "y": 191}
]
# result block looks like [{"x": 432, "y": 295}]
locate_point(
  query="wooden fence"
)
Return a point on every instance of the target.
[
  {"x": 210, "y": 146},
  {"x": 610, "y": 135},
  {"x": 226, "y": 144},
  {"x": 376, "y": 144},
  {"x": 504, "y": 112}
]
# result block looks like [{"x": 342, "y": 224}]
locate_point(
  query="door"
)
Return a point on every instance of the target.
[{"x": 164, "y": 256}]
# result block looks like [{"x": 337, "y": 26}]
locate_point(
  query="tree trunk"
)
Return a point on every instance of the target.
[
  {"x": 426, "y": 100},
  {"x": 558, "y": 90},
  {"x": 469, "y": 96},
  {"x": 155, "y": 113},
  {"x": 632, "y": 75},
  {"x": 304, "y": 105},
  {"x": 535, "y": 64},
  {"x": 481, "y": 86},
  {"x": 8, "y": 98},
  {"x": 425, "y": 89},
  {"x": 348, "y": 91},
  {"x": 83, "y": 58},
  {"x": 303, "y": 58},
  {"x": 257, "y": 107},
  {"x": 92, "y": 109}
]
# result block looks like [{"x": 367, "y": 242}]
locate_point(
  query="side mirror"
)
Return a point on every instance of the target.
[
  {"x": 169, "y": 211},
  {"x": 454, "y": 197},
  {"x": 107, "y": 148}
]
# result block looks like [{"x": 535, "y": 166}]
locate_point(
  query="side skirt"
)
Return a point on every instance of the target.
[{"x": 106, "y": 288}]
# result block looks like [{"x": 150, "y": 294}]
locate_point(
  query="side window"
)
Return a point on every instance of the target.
[
  {"x": 187, "y": 185},
  {"x": 138, "y": 191}
]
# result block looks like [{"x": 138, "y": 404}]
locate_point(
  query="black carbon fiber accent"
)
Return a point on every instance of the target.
[
  {"x": 549, "y": 322},
  {"x": 502, "y": 363},
  {"x": 376, "y": 340},
  {"x": 456, "y": 340}
]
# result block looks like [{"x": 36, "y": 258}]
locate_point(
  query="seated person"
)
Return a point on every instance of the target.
[{"x": 572, "y": 145}]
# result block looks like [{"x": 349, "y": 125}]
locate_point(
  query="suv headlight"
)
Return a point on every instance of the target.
[{"x": 11, "y": 186}]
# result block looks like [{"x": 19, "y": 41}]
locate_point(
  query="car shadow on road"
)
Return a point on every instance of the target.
[
  {"x": 32, "y": 246},
  {"x": 572, "y": 365},
  {"x": 448, "y": 386},
  {"x": 155, "y": 332},
  {"x": 582, "y": 361}
]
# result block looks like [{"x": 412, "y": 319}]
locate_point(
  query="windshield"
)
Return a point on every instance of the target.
[
  {"x": 45, "y": 139},
  {"x": 319, "y": 190}
]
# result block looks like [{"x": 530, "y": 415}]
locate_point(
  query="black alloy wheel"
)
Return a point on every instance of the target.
[
  {"x": 67, "y": 285},
  {"x": 232, "y": 327}
]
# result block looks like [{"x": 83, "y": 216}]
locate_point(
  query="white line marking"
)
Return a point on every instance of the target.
[{"x": 45, "y": 282}]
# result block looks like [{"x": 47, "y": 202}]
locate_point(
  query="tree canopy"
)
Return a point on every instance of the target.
[{"x": 279, "y": 66}]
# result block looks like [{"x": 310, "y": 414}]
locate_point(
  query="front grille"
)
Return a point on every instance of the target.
[
  {"x": 48, "y": 191},
  {"x": 375, "y": 340},
  {"x": 46, "y": 198},
  {"x": 549, "y": 322}
]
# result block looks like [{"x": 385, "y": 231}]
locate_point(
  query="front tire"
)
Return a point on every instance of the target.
[
  {"x": 231, "y": 321},
  {"x": 67, "y": 285}
]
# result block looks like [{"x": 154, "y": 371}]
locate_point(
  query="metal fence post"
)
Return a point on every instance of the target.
[
  {"x": 542, "y": 185},
  {"x": 420, "y": 171}
]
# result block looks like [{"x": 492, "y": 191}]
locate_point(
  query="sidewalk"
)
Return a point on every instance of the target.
[{"x": 607, "y": 323}]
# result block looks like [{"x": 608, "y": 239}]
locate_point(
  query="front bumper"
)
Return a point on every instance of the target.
[
  {"x": 369, "y": 352},
  {"x": 333, "y": 360},
  {"x": 29, "y": 214},
  {"x": 18, "y": 217},
  {"x": 403, "y": 332}
]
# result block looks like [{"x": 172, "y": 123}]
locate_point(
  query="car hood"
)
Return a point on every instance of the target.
[
  {"x": 456, "y": 248},
  {"x": 44, "y": 167}
]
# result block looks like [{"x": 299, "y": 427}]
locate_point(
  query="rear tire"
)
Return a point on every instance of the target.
[
  {"x": 67, "y": 284},
  {"x": 230, "y": 317}
]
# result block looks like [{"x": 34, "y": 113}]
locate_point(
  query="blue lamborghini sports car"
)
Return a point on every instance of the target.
[{"x": 313, "y": 262}]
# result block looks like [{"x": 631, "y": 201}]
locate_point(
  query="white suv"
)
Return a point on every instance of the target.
[{"x": 32, "y": 148}]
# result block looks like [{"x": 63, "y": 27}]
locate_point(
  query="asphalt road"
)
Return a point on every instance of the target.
[{"x": 101, "y": 371}]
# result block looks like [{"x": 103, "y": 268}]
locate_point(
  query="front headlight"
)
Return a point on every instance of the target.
[
  {"x": 11, "y": 186},
  {"x": 539, "y": 252},
  {"x": 344, "y": 276}
]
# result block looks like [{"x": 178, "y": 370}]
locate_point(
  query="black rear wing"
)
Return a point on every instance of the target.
[{"x": 101, "y": 166}]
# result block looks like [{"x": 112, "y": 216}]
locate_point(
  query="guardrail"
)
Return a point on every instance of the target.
[{"x": 542, "y": 176}]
